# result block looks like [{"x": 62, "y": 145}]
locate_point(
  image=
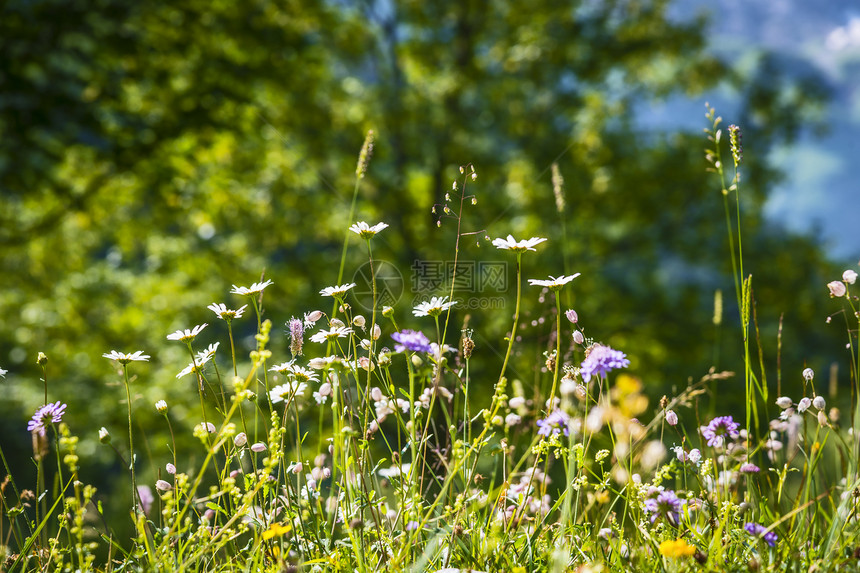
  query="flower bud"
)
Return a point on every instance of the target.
[
  {"x": 822, "y": 418},
  {"x": 808, "y": 374},
  {"x": 837, "y": 289},
  {"x": 819, "y": 402},
  {"x": 849, "y": 276},
  {"x": 240, "y": 440},
  {"x": 258, "y": 447},
  {"x": 804, "y": 404},
  {"x": 162, "y": 485},
  {"x": 572, "y": 316},
  {"x": 671, "y": 417},
  {"x": 104, "y": 435},
  {"x": 578, "y": 338},
  {"x": 41, "y": 359},
  {"x": 171, "y": 469},
  {"x": 359, "y": 321},
  {"x": 784, "y": 402},
  {"x": 161, "y": 407}
]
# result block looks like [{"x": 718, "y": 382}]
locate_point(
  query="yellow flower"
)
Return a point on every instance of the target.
[
  {"x": 276, "y": 530},
  {"x": 676, "y": 548}
]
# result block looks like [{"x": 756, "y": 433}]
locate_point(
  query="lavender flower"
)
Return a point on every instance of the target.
[
  {"x": 297, "y": 331},
  {"x": 554, "y": 423},
  {"x": 411, "y": 340},
  {"x": 666, "y": 504},
  {"x": 48, "y": 414},
  {"x": 749, "y": 468},
  {"x": 757, "y": 530},
  {"x": 144, "y": 492},
  {"x": 601, "y": 360},
  {"x": 718, "y": 429}
]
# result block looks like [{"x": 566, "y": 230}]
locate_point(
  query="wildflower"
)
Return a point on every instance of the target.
[
  {"x": 433, "y": 307},
  {"x": 808, "y": 374},
  {"x": 695, "y": 456},
  {"x": 571, "y": 315},
  {"x": 749, "y": 468},
  {"x": 196, "y": 366},
  {"x": 720, "y": 427},
  {"x": 209, "y": 353},
  {"x": 123, "y": 358},
  {"x": 258, "y": 447},
  {"x": 104, "y": 435},
  {"x": 144, "y": 493},
  {"x": 512, "y": 419},
  {"x": 41, "y": 359},
  {"x": 297, "y": 331},
  {"x": 601, "y": 360},
  {"x": 665, "y": 504},
  {"x": 849, "y": 276},
  {"x": 161, "y": 407},
  {"x": 554, "y": 423},
  {"x": 337, "y": 291},
  {"x": 554, "y": 284},
  {"x": 187, "y": 335},
  {"x": 578, "y": 338},
  {"x": 286, "y": 391},
  {"x": 819, "y": 402},
  {"x": 761, "y": 531},
  {"x": 837, "y": 289},
  {"x": 171, "y": 469},
  {"x": 323, "y": 393},
  {"x": 240, "y": 439},
  {"x": 162, "y": 485},
  {"x": 300, "y": 373},
  {"x": 276, "y": 530},
  {"x": 671, "y": 417},
  {"x": 511, "y": 244},
  {"x": 365, "y": 231},
  {"x": 676, "y": 548},
  {"x": 411, "y": 340},
  {"x": 255, "y": 288},
  {"x": 48, "y": 414},
  {"x": 224, "y": 313},
  {"x": 784, "y": 402},
  {"x": 804, "y": 404},
  {"x": 334, "y": 332}
]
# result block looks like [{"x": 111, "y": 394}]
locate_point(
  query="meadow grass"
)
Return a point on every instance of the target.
[{"x": 372, "y": 448}]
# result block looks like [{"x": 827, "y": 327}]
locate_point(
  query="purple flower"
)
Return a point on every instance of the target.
[
  {"x": 749, "y": 468},
  {"x": 601, "y": 360},
  {"x": 297, "y": 331},
  {"x": 411, "y": 340},
  {"x": 48, "y": 414},
  {"x": 757, "y": 530},
  {"x": 144, "y": 492},
  {"x": 666, "y": 504},
  {"x": 718, "y": 429},
  {"x": 554, "y": 423}
]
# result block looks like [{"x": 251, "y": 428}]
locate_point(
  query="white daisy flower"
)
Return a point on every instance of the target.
[
  {"x": 120, "y": 357},
  {"x": 224, "y": 313},
  {"x": 335, "y": 332},
  {"x": 255, "y": 288},
  {"x": 336, "y": 291},
  {"x": 298, "y": 372},
  {"x": 365, "y": 231},
  {"x": 285, "y": 391},
  {"x": 209, "y": 353},
  {"x": 511, "y": 244},
  {"x": 433, "y": 307},
  {"x": 554, "y": 284},
  {"x": 187, "y": 335},
  {"x": 196, "y": 366}
]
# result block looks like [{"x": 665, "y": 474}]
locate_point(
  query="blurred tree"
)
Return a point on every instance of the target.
[{"x": 155, "y": 153}]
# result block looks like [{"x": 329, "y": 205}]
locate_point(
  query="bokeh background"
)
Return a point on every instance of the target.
[{"x": 155, "y": 153}]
